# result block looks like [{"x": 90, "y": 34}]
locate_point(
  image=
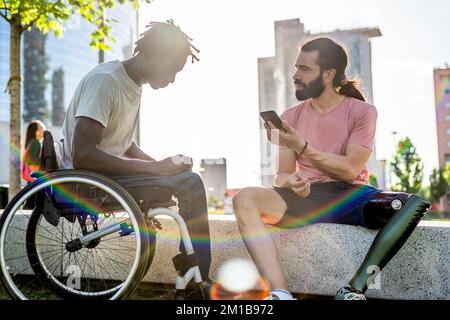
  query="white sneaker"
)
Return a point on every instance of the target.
[
  {"x": 347, "y": 293},
  {"x": 272, "y": 297},
  {"x": 279, "y": 294}
]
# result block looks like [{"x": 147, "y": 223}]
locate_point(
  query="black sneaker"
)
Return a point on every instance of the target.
[{"x": 193, "y": 291}]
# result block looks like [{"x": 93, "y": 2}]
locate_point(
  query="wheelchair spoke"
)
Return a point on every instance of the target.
[
  {"x": 26, "y": 256},
  {"x": 103, "y": 263},
  {"x": 109, "y": 257},
  {"x": 88, "y": 257},
  {"x": 84, "y": 264},
  {"x": 40, "y": 225},
  {"x": 38, "y": 276},
  {"x": 115, "y": 249},
  {"x": 119, "y": 263},
  {"x": 29, "y": 243},
  {"x": 53, "y": 240},
  {"x": 120, "y": 276},
  {"x": 95, "y": 273},
  {"x": 117, "y": 255},
  {"x": 19, "y": 228},
  {"x": 110, "y": 265}
]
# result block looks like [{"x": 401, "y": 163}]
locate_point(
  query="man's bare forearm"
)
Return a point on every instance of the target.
[
  {"x": 281, "y": 180},
  {"x": 100, "y": 161},
  {"x": 333, "y": 165}
]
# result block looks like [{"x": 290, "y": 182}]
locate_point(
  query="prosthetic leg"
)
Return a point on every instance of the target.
[{"x": 403, "y": 212}]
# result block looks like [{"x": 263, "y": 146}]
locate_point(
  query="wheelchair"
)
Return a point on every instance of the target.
[{"x": 86, "y": 236}]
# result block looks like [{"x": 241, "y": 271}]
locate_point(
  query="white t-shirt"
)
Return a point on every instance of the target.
[{"x": 108, "y": 95}]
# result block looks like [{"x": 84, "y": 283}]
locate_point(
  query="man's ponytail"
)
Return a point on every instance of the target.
[{"x": 351, "y": 89}]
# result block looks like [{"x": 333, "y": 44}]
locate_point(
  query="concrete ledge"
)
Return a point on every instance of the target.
[{"x": 319, "y": 259}]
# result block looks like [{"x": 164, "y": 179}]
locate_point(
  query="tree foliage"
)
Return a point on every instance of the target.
[
  {"x": 45, "y": 15},
  {"x": 407, "y": 167},
  {"x": 438, "y": 185}
]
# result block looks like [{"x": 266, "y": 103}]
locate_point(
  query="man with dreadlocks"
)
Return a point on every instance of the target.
[{"x": 102, "y": 118}]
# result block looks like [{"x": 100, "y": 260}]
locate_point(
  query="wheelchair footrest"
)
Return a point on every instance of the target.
[{"x": 184, "y": 262}]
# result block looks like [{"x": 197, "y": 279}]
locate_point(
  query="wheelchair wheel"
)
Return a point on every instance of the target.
[{"x": 85, "y": 239}]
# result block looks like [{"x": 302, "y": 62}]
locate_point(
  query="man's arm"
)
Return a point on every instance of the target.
[
  {"x": 286, "y": 166},
  {"x": 87, "y": 155},
  {"x": 287, "y": 176},
  {"x": 342, "y": 167},
  {"x": 134, "y": 152}
]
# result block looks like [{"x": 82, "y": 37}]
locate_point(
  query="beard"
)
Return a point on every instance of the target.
[{"x": 311, "y": 90}]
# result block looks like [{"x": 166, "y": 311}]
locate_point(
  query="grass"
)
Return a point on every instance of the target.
[
  {"x": 437, "y": 216},
  {"x": 145, "y": 291}
]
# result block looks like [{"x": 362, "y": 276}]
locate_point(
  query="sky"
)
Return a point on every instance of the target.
[{"x": 211, "y": 111}]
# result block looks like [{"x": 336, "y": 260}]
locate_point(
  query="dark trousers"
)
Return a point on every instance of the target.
[{"x": 189, "y": 190}]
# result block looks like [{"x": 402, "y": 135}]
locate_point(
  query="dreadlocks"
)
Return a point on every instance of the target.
[{"x": 165, "y": 36}]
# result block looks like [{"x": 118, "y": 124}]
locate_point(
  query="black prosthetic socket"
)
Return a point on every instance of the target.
[{"x": 390, "y": 239}]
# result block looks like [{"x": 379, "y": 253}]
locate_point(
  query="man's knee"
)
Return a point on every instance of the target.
[
  {"x": 192, "y": 179},
  {"x": 245, "y": 201}
]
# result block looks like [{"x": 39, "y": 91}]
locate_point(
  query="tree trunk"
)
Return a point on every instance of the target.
[
  {"x": 15, "y": 115},
  {"x": 101, "y": 53}
]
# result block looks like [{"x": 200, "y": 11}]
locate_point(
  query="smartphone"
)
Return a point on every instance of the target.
[{"x": 273, "y": 117}]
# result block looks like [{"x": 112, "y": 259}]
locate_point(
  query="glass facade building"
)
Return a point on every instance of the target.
[{"x": 52, "y": 67}]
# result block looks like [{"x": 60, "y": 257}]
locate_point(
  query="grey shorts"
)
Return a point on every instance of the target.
[{"x": 328, "y": 202}]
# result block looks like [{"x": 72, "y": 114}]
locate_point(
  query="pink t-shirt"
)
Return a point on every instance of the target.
[{"x": 353, "y": 121}]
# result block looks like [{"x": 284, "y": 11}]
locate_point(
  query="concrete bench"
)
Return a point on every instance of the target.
[{"x": 321, "y": 258}]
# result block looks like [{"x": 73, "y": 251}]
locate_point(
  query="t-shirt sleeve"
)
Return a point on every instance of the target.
[
  {"x": 363, "y": 131},
  {"x": 97, "y": 99}
]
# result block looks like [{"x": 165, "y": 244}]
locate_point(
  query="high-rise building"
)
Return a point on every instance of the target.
[
  {"x": 214, "y": 176},
  {"x": 35, "y": 80},
  {"x": 52, "y": 68},
  {"x": 58, "y": 111},
  {"x": 277, "y": 91},
  {"x": 442, "y": 97}
]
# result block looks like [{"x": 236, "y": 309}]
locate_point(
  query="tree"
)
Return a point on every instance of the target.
[
  {"x": 438, "y": 185},
  {"x": 46, "y": 15},
  {"x": 373, "y": 181},
  {"x": 407, "y": 167},
  {"x": 213, "y": 201},
  {"x": 447, "y": 173}
]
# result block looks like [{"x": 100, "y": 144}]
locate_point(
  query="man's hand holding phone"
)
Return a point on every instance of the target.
[{"x": 282, "y": 133}]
